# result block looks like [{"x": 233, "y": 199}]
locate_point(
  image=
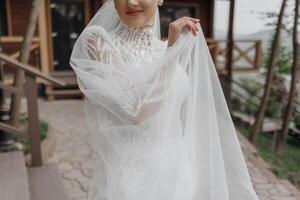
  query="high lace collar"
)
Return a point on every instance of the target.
[{"x": 135, "y": 35}]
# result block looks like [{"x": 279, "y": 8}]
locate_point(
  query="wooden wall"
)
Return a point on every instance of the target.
[
  {"x": 206, "y": 11},
  {"x": 18, "y": 14},
  {"x": 207, "y": 16},
  {"x": 17, "y": 18}
]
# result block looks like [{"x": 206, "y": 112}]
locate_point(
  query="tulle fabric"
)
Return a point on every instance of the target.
[{"x": 161, "y": 128}]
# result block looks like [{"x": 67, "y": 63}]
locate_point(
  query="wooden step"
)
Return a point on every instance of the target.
[
  {"x": 46, "y": 183},
  {"x": 57, "y": 74},
  {"x": 13, "y": 177},
  {"x": 69, "y": 92},
  {"x": 269, "y": 125},
  {"x": 69, "y": 77},
  {"x": 63, "y": 93},
  {"x": 70, "y": 81}
]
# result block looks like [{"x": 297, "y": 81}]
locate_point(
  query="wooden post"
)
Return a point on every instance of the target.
[
  {"x": 24, "y": 57},
  {"x": 33, "y": 122},
  {"x": 257, "y": 54},
  {"x": 8, "y": 17},
  {"x": 217, "y": 50},
  {"x": 44, "y": 47},
  {"x": 2, "y": 99},
  {"x": 87, "y": 11}
]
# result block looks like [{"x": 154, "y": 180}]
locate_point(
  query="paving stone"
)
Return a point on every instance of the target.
[
  {"x": 65, "y": 166},
  {"x": 283, "y": 198},
  {"x": 74, "y": 155}
]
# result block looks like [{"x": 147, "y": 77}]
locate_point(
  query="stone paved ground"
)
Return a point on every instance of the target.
[{"x": 74, "y": 156}]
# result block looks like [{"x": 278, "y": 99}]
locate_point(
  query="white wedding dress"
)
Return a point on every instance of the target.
[
  {"x": 143, "y": 160},
  {"x": 157, "y": 115}
]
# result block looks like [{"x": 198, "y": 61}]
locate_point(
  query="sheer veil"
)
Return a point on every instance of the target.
[{"x": 160, "y": 128}]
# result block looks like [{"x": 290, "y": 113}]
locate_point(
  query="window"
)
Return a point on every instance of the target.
[{"x": 170, "y": 11}]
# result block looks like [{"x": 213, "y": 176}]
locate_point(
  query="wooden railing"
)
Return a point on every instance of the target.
[
  {"x": 246, "y": 54},
  {"x": 5, "y": 40},
  {"x": 17, "y": 39},
  {"x": 30, "y": 90}
]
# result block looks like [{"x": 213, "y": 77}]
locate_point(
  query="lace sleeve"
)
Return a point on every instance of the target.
[
  {"x": 98, "y": 47},
  {"x": 141, "y": 108}
]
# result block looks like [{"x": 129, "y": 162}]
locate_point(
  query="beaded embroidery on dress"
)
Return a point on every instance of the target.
[
  {"x": 157, "y": 117},
  {"x": 130, "y": 45},
  {"x": 139, "y": 43}
]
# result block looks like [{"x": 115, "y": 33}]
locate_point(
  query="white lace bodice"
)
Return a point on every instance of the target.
[
  {"x": 140, "y": 42},
  {"x": 129, "y": 44},
  {"x": 126, "y": 44}
]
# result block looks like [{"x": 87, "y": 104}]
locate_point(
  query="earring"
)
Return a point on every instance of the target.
[{"x": 160, "y": 3}]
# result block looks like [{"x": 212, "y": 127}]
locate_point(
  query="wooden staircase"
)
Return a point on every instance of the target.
[
  {"x": 19, "y": 182},
  {"x": 36, "y": 180},
  {"x": 71, "y": 89}
]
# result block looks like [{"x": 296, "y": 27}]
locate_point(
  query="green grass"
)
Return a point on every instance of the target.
[{"x": 286, "y": 165}]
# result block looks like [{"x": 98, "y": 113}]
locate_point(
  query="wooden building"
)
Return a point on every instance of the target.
[{"x": 61, "y": 21}]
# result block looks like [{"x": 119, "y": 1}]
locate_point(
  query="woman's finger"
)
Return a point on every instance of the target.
[
  {"x": 194, "y": 22},
  {"x": 183, "y": 22},
  {"x": 190, "y": 25},
  {"x": 191, "y": 18}
]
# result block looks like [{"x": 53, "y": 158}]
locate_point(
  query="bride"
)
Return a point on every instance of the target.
[{"x": 155, "y": 110}]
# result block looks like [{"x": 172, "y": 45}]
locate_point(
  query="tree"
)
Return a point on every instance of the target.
[
  {"x": 256, "y": 128},
  {"x": 229, "y": 55},
  {"x": 282, "y": 137},
  {"x": 24, "y": 57}
]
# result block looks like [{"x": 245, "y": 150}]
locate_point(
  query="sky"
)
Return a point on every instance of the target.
[{"x": 247, "y": 17}]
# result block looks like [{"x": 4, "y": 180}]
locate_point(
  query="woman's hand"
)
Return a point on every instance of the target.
[{"x": 177, "y": 27}]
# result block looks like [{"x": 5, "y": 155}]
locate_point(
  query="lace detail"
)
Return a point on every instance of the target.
[
  {"x": 127, "y": 45},
  {"x": 129, "y": 178},
  {"x": 139, "y": 42},
  {"x": 98, "y": 47},
  {"x": 132, "y": 105}
]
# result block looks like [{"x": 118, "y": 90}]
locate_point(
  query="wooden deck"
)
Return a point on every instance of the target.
[
  {"x": 70, "y": 90},
  {"x": 18, "y": 182},
  {"x": 269, "y": 125},
  {"x": 46, "y": 183},
  {"x": 13, "y": 177}
]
